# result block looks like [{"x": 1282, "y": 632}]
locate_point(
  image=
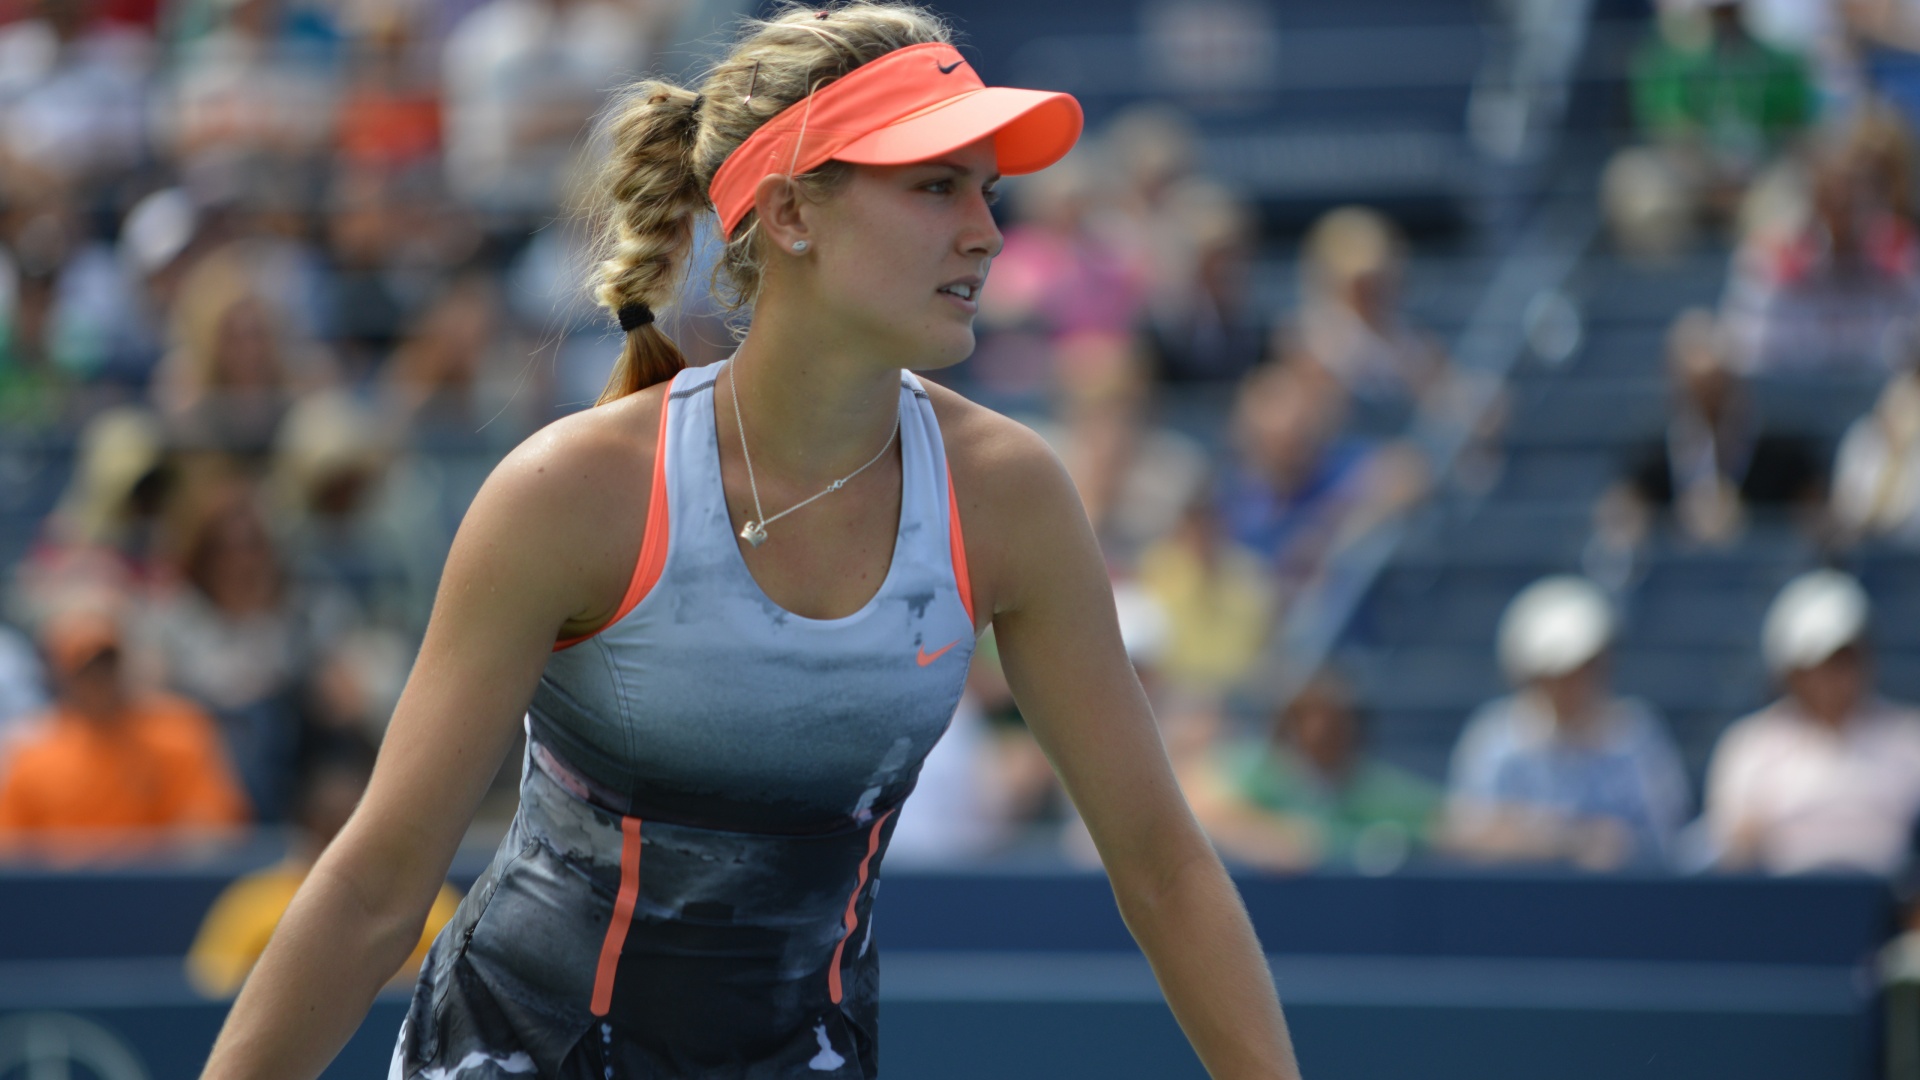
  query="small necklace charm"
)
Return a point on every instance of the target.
[{"x": 755, "y": 532}]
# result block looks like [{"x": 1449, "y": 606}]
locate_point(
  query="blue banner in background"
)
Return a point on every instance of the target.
[{"x": 1016, "y": 976}]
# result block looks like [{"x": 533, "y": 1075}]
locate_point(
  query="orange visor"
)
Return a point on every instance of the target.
[{"x": 909, "y": 105}]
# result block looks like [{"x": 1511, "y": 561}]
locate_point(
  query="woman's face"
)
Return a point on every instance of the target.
[{"x": 898, "y": 242}]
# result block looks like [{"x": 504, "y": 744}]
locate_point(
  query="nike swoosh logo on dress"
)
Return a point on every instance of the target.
[{"x": 921, "y": 654}]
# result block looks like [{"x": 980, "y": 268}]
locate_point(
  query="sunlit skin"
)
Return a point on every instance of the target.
[
  {"x": 834, "y": 326},
  {"x": 550, "y": 542}
]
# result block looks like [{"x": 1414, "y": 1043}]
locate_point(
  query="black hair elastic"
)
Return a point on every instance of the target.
[{"x": 634, "y": 316}]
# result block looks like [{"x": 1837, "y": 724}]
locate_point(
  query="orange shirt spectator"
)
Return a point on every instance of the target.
[{"x": 107, "y": 771}]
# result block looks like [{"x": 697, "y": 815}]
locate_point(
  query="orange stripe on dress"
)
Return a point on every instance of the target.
[
  {"x": 622, "y": 916},
  {"x": 958, "y": 544},
  {"x": 653, "y": 545},
  {"x": 853, "y": 919}
]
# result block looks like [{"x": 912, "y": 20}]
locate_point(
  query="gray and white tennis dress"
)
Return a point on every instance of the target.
[{"x": 708, "y": 791}]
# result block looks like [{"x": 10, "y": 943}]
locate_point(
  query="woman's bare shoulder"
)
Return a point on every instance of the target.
[
  {"x": 587, "y": 461},
  {"x": 992, "y": 453},
  {"x": 1017, "y": 504},
  {"x": 573, "y": 498}
]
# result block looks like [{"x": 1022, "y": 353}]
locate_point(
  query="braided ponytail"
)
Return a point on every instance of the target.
[
  {"x": 653, "y": 194},
  {"x": 667, "y": 142}
]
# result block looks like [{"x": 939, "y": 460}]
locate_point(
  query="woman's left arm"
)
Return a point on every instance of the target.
[{"x": 1059, "y": 641}]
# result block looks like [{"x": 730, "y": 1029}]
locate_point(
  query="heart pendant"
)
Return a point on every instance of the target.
[{"x": 754, "y": 533}]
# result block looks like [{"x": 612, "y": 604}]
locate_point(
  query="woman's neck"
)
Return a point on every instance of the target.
[{"x": 815, "y": 405}]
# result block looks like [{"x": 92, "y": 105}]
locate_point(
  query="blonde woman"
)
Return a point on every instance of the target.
[{"x": 736, "y": 605}]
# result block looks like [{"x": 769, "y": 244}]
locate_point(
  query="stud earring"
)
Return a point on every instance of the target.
[{"x": 799, "y": 246}]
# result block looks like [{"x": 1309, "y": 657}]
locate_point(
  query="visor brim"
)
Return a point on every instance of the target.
[{"x": 1031, "y": 130}]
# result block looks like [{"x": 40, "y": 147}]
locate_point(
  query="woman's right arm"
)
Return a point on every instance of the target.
[{"x": 542, "y": 551}]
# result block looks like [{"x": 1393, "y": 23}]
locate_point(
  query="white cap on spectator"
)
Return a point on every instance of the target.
[
  {"x": 1815, "y": 616},
  {"x": 1554, "y": 626},
  {"x": 158, "y": 229}
]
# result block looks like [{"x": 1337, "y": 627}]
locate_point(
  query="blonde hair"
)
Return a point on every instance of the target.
[
  {"x": 1346, "y": 243},
  {"x": 667, "y": 141}
]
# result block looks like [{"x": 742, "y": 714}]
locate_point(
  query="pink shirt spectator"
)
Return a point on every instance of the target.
[
  {"x": 1070, "y": 283},
  {"x": 1805, "y": 797}
]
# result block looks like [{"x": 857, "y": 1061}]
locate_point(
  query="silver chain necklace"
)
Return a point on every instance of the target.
[{"x": 755, "y": 532}]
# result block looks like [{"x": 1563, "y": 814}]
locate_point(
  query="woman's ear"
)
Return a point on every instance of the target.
[{"x": 778, "y": 204}]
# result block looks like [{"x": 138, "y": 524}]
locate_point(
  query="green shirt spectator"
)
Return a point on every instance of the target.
[
  {"x": 1347, "y": 810},
  {"x": 1719, "y": 86},
  {"x": 1309, "y": 795}
]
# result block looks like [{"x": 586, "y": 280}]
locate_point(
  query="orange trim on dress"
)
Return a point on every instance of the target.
[
  {"x": 853, "y": 919},
  {"x": 653, "y": 544},
  {"x": 622, "y": 916},
  {"x": 958, "y": 543}
]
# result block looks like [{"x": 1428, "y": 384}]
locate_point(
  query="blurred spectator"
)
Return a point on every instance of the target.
[
  {"x": 389, "y": 120},
  {"x": 1824, "y": 291},
  {"x": 104, "y": 535},
  {"x": 236, "y": 929},
  {"x": 79, "y": 317},
  {"x": 1219, "y": 597},
  {"x": 1217, "y": 332},
  {"x": 1062, "y": 280},
  {"x": 1065, "y": 301},
  {"x": 236, "y": 636},
  {"x": 1151, "y": 150},
  {"x": 137, "y": 281},
  {"x": 253, "y": 92},
  {"x": 234, "y": 368},
  {"x": 1828, "y": 777},
  {"x": 364, "y": 311},
  {"x": 73, "y": 97},
  {"x": 43, "y": 357},
  {"x": 1716, "y": 458},
  {"x": 1876, "y": 474},
  {"x": 1308, "y": 794},
  {"x": 961, "y": 810},
  {"x": 119, "y": 486},
  {"x": 455, "y": 382},
  {"x": 1563, "y": 769},
  {"x": 110, "y": 770},
  {"x": 521, "y": 79},
  {"x": 1298, "y": 491},
  {"x": 1350, "y": 322},
  {"x": 328, "y": 482},
  {"x": 459, "y": 392},
  {"x": 1715, "y": 105}
]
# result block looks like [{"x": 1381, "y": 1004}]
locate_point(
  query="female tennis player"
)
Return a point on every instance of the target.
[{"x": 735, "y": 605}]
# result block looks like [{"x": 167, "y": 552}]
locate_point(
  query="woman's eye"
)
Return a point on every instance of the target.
[
  {"x": 992, "y": 195},
  {"x": 940, "y": 187}
]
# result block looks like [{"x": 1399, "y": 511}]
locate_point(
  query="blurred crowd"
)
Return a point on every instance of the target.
[
  {"x": 1780, "y": 133},
  {"x": 282, "y": 279},
  {"x": 278, "y": 286}
]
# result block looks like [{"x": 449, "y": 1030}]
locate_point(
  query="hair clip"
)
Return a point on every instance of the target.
[
  {"x": 753, "y": 80},
  {"x": 822, "y": 14}
]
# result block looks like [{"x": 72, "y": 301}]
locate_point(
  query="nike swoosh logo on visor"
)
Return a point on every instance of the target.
[
  {"x": 921, "y": 654},
  {"x": 947, "y": 69}
]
